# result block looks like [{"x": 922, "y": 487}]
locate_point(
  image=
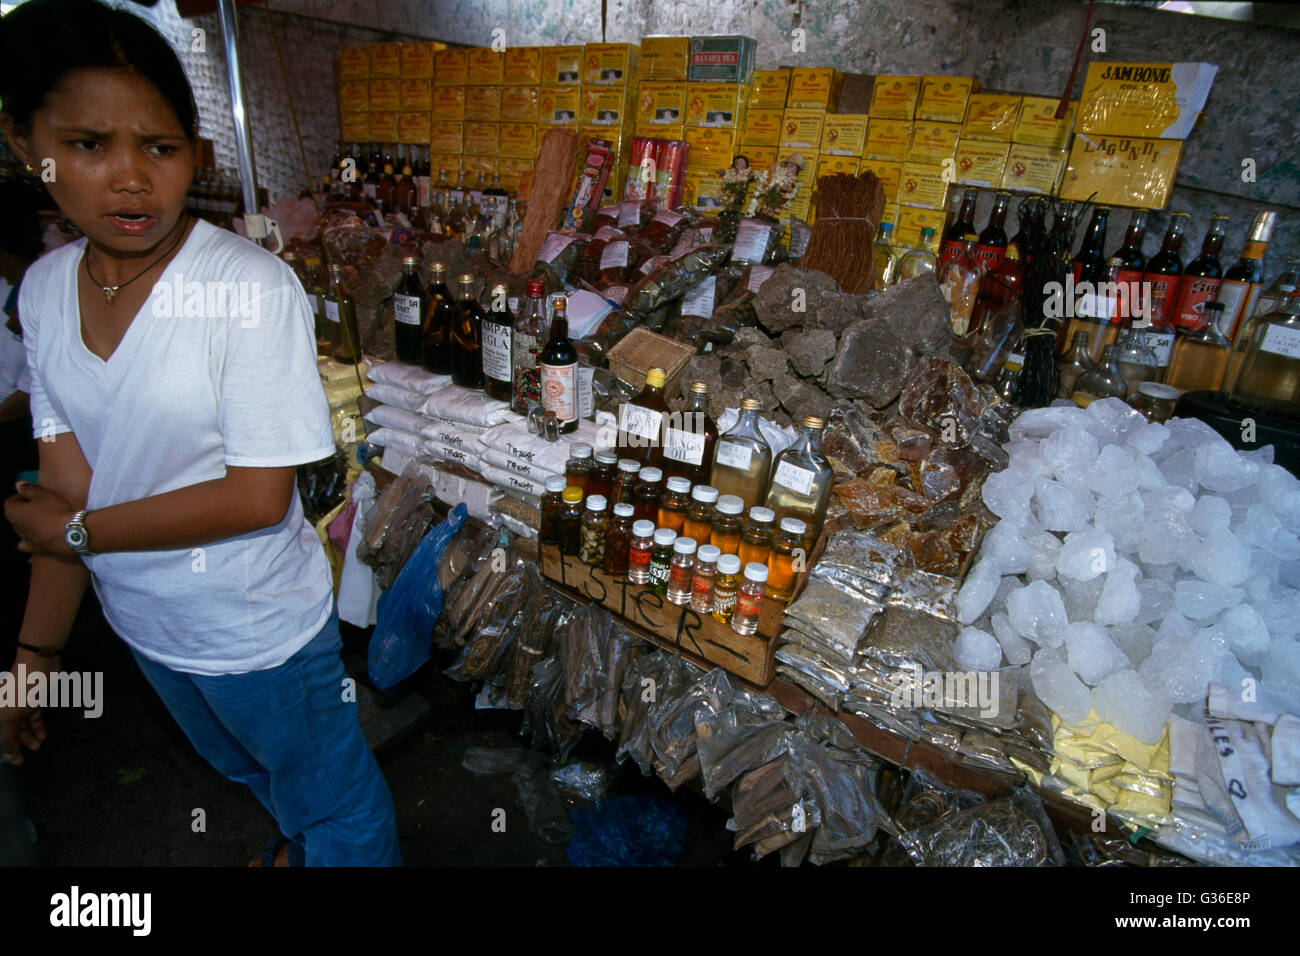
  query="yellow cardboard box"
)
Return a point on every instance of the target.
[
  {"x": 1123, "y": 170},
  {"x": 911, "y": 220},
  {"x": 448, "y": 103},
  {"x": 561, "y": 65},
  {"x": 844, "y": 134},
  {"x": 661, "y": 104},
  {"x": 814, "y": 88},
  {"x": 523, "y": 66},
  {"x": 1037, "y": 124},
  {"x": 606, "y": 106},
  {"x": 769, "y": 89},
  {"x": 660, "y": 130},
  {"x": 1144, "y": 99},
  {"x": 890, "y": 215},
  {"x": 943, "y": 98},
  {"x": 476, "y": 165},
  {"x": 354, "y": 96},
  {"x": 889, "y": 174},
  {"x": 894, "y": 97},
  {"x": 558, "y": 105},
  {"x": 829, "y": 165},
  {"x": 413, "y": 127},
  {"x": 991, "y": 116},
  {"x": 802, "y": 129},
  {"x": 485, "y": 66},
  {"x": 440, "y": 162},
  {"x": 888, "y": 140},
  {"x": 760, "y": 157},
  {"x": 610, "y": 64},
  {"x": 923, "y": 185},
  {"x": 416, "y": 94},
  {"x": 519, "y": 104},
  {"x": 480, "y": 139},
  {"x": 762, "y": 128},
  {"x": 701, "y": 191},
  {"x": 512, "y": 171},
  {"x": 416, "y": 60},
  {"x": 385, "y": 60},
  {"x": 354, "y": 63},
  {"x": 383, "y": 126},
  {"x": 665, "y": 58},
  {"x": 932, "y": 143},
  {"x": 981, "y": 163},
  {"x": 720, "y": 105},
  {"x": 386, "y": 94},
  {"x": 1032, "y": 169},
  {"x": 355, "y": 127},
  {"x": 450, "y": 67},
  {"x": 446, "y": 136},
  {"x": 518, "y": 140},
  {"x": 483, "y": 103}
]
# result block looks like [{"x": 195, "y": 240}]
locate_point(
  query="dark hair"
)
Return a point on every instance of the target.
[
  {"x": 43, "y": 41},
  {"x": 22, "y": 230}
]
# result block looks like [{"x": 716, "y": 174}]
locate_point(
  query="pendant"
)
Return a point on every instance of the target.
[{"x": 110, "y": 292}]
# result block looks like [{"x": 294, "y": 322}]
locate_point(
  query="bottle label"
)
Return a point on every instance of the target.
[
  {"x": 369, "y": 190},
  {"x": 1128, "y": 305},
  {"x": 406, "y": 309},
  {"x": 422, "y": 191},
  {"x": 724, "y": 602},
  {"x": 679, "y": 578},
  {"x": 586, "y": 391},
  {"x": 949, "y": 249},
  {"x": 638, "y": 422},
  {"x": 608, "y": 234},
  {"x": 524, "y": 379},
  {"x": 1233, "y": 294},
  {"x": 1281, "y": 340},
  {"x": 496, "y": 351},
  {"x": 748, "y": 606},
  {"x": 683, "y": 446},
  {"x": 332, "y": 310},
  {"x": 658, "y": 572},
  {"x": 614, "y": 255},
  {"x": 1193, "y": 293},
  {"x": 1164, "y": 289},
  {"x": 640, "y": 557},
  {"x": 1162, "y": 343},
  {"x": 559, "y": 391},
  {"x": 554, "y": 244},
  {"x": 699, "y": 300},
  {"x": 791, "y": 476},
  {"x": 989, "y": 256},
  {"x": 734, "y": 455}
]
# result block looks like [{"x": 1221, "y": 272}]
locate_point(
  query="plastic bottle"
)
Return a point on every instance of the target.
[
  {"x": 706, "y": 569},
  {"x": 680, "y": 571},
  {"x": 749, "y": 599}
]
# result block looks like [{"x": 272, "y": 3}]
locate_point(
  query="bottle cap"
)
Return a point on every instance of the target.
[
  {"x": 684, "y": 546},
  {"x": 535, "y": 288},
  {"x": 642, "y": 528},
  {"x": 579, "y": 449},
  {"x": 679, "y": 485},
  {"x": 729, "y": 564},
  {"x": 656, "y": 377},
  {"x": 466, "y": 278},
  {"x": 1012, "y": 251},
  {"x": 560, "y": 304},
  {"x": 969, "y": 237},
  {"x": 650, "y": 476},
  {"x": 665, "y": 536},
  {"x": 629, "y": 465},
  {"x": 291, "y": 256},
  {"x": 761, "y": 515},
  {"x": 700, "y": 388},
  {"x": 706, "y": 494},
  {"x": 927, "y": 232},
  {"x": 755, "y": 571},
  {"x": 500, "y": 287},
  {"x": 709, "y": 553},
  {"x": 624, "y": 510},
  {"x": 731, "y": 505},
  {"x": 438, "y": 268},
  {"x": 1156, "y": 390},
  {"x": 556, "y": 483},
  {"x": 596, "y": 503},
  {"x": 573, "y": 494},
  {"x": 606, "y": 457},
  {"x": 1216, "y": 306},
  {"x": 812, "y": 421},
  {"x": 886, "y": 227},
  {"x": 750, "y": 404},
  {"x": 793, "y": 526}
]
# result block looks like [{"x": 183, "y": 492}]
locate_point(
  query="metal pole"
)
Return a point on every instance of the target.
[{"x": 243, "y": 134}]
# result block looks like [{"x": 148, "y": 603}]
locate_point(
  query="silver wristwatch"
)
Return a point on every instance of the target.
[{"x": 74, "y": 532}]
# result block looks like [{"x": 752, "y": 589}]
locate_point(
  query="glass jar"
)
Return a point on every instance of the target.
[
  {"x": 728, "y": 523},
  {"x": 570, "y": 519},
  {"x": 756, "y": 540},
  {"x": 578, "y": 468},
  {"x": 787, "y": 548},
  {"x": 618, "y": 541},
  {"x": 706, "y": 569},
  {"x": 1156, "y": 401},
  {"x": 1198, "y": 359},
  {"x": 645, "y": 496},
  {"x": 1103, "y": 380},
  {"x": 625, "y": 482},
  {"x": 725, "y": 584},
  {"x": 699, "y": 516},
  {"x": 749, "y": 599},
  {"x": 679, "y": 571},
  {"x": 600, "y": 480},
  {"x": 552, "y": 506},
  {"x": 672, "y": 506},
  {"x": 661, "y": 559},
  {"x": 591, "y": 545},
  {"x": 1137, "y": 363},
  {"x": 1073, "y": 364},
  {"x": 640, "y": 551}
]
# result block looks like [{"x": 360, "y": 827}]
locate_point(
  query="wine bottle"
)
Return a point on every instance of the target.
[
  {"x": 559, "y": 370},
  {"x": 408, "y": 313},
  {"x": 467, "y": 337}
]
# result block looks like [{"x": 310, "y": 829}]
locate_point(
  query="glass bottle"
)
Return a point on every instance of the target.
[
  {"x": 570, "y": 520},
  {"x": 1090, "y": 263},
  {"x": 1000, "y": 286},
  {"x": 1243, "y": 281},
  {"x": 440, "y": 196},
  {"x": 661, "y": 558},
  {"x": 498, "y": 327},
  {"x": 1103, "y": 380},
  {"x": 1096, "y": 312},
  {"x": 725, "y": 584},
  {"x": 680, "y": 572},
  {"x": 886, "y": 258},
  {"x": 408, "y": 313},
  {"x": 689, "y": 439},
  {"x": 526, "y": 346},
  {"x": 456, "y": 210},
  {"x": 992, "y": 244},
  {"x": 706, "y": 569},
  {"x": 647, "y": 492},
  {"x": 1163, "y": 271},
  {"x": 728, "y": 525},
  {"x": 749, "y": 599},
  {"x": 1073, "y": 364},
  {"x": 370, "y": 185},
  {"x": 640, "y": 421},
  {"x": 787, "y": 552},
  {"x": 672, "y": 506},
  {"x": 439, "y": 318},
  {"x": 995, "y": 340},
  {"x": 577, "y": 469},
  {"x": 1270, "y": 367},
  {"x": 387, "y": 185},
  {"x": 624, "y": 491},
  {"x": 618, "y": 541},
  {"x": 600, "y": 480},
  {"x": 558, "y": 365},
  {"x": 1137, "y": 363},
  {"x": 1276, "y": 295},
  {"x": 959, "y": 280},
  {"x": 404, "y": 194},
  {"x": 1199, "y": 359},
  {"x": 1201, "y": 279},
  {"x": 919, "y": 259},
  {"x": 591, "y": 548},
  {"x": 342, "y": 314},
  {"x": 801, "y": 478},
  {"x": 699, "y": 515},
  {"x": 1133, "y": 261},
  {"x": 552, "y": 507},
  {"x": 756, "y": 540},
  {"x": 1032, "y": 228},
  {"x": 1247, "y": 333},
  {"x": 743, "y": 458},
  {"x": 953, "y": 242},
  {"x": 1156, "y": 401},
  {"x": 640, "y": 551},
  {"x": 467, "y": 337}
]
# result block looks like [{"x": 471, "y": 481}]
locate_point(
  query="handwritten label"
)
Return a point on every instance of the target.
[
  {"x": 629, "y": 214},
  {"x": 734, "y": 455},
  {"x": 555, "y": 244},
  {"x": 791, "y": 476},
  {"x": 1280, "y": 340},
  {"x": 699, "y": 300},
  {"x": 757, "y": 276},
  {"x": 1162, "y": 343},
  {"x": 686, "y": 447},
  {"x": 642, "y": 422},
  {"x": 751, "y": 240},
  {"x": 614, "y": 255}
]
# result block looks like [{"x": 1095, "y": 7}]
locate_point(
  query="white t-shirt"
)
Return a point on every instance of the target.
[{"x": 218, "y": 368}]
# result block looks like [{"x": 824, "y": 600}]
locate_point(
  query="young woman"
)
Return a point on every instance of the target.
[{"x": 174, "y": 387}]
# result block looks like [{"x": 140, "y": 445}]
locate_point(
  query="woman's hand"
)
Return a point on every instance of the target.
[
  {"x": 39, "y": 516},
  {"x": 23, "y": 727}
]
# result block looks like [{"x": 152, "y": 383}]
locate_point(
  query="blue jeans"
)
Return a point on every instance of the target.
[{"x": 291, "y": 737}]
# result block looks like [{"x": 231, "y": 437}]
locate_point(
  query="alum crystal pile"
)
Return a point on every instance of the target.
[{"x": 1134, "y": 563}]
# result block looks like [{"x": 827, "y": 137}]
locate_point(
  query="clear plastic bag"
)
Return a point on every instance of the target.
[
  {"x": 542, "y": 804},
  {"x": 840, "y": 613},
  {"x": 395, "y": 524},
  {"x": 648, "y": 682},
  {"x": 996, "y": 833},
  {"x": 544, "y": 720},
  {"x": 673, "y": 733},
  {"x": 485, "y": 651}
]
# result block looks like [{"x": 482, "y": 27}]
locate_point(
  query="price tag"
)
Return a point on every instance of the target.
[
  {"x": 406, "y": 309},
  {"x": 1280, "y": 340},
  {"x": 683, "y": 446},
  {"x": 795, "y": 478},
  {"x": 651, "y": 264},
  {"x": 668, "y": 217},
  {"x": 757, "y": 276},
  {"x": 629, "y": 214},
  {"x": 699, "y": 300},
  {"x": 554, "y": 244},
  {"x": 734, "y": 455},
  {"x": 608, "y": 234},
  {"x": 614, "y": 255},
  {"x": 642, "y": 422},
  {"x": 751, "y": 240},
  {"x": 586, "y": 394},
  {"x": 613, "y": 212}
]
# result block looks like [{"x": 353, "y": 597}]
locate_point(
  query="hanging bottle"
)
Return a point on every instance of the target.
[
  {"x": 408, "y": 313},
  {"x": 801, "y": 478},
  {"x": 742, "y": 458},
  {"x": 1201, "y": 279},
  {"x": 467, "y": 337}
]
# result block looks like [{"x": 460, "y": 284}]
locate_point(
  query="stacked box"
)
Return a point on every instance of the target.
[
  {"x": 558, "y": 106},
  {"x": 485, "y": 67},
  {"x": 1037, "y": 125},
  {"x": 385, "y": 94},
  {"x": 980, "y": 163},
  {"x": 802, "y": 129},
  {"x": 894, "y": 97},
  {"x": 450, "y": 67},
  {"x": 481, "y": 139},
  {"x": 519, "y": 104},
  {"x": 933, "y": 143},
  {"x": 721, "y": 59},
  {"x": 660, "y": 109},
  {"x": 517, "y": 140},
  {"x": 447, "y": 103},
  {"x": 416, "y": 60},
  {"x": 769, "y": 89},
  {"x": 923, "y": 185},
  {"x": 483, "y": 104},
  {"x": 665, "y": 59},
  {"x": 717, "y": 105},
  {"x": 561, "y": 66},
  {"x": 385, "y": 60},
  {"x": 814, "y": 88},
  {"x": 911, "y": 220},
  {"x": 889, "y": 174},
  {"x": 1122, "y": 170},
  {"x": 944, "y": 98},
  {"x": 762, "y": 128},
  {"x": 607, "y": 106},
  {"x": 888, "y": 140},
  {"x": 610, "y": 64},
  {"x": 991, "y": 117},
  {"x": 523, "y": 66},
  {"x": 844, "y": 134},
  {"x": 413, "y": 127},
  {"x": 383, "y": 126},
  {"x": 354, "y": 63},
  {"x": 416, "y": 94}
]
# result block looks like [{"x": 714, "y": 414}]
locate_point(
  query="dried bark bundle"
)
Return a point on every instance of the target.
[
  {"x": 552, "y": 180},
  {"x": 843, "y": 237}
]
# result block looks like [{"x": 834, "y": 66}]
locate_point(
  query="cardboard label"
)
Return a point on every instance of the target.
[
  {"x": 802, "y": 129},
  {"x": 980, "y": 163},
  {"x": 923, "y": 185},
  {"x": 1037, "y": 124},
  {"x": 888, "y": 140},
  {"x": 944, "y": 98},
  {"x": 991, "y": 116},
  {"x": 558, "y": 106},
  {"x": 609, "y": 64},
  {"x": 1123, "y": 170},
  {"x": 483, "y": 103},
  {"x": 769, "y": 89},
  {"x": 894, "y": 97},
  {"x": 447, "y": 103},
  {"x": 661, "y": 104},
  {"x": 523, "y": 66},
  {"x": 1033, "y": 168},
  {"x": 450, "y": 67},
  {"x": 416, "y": 94},
  {"x": 844, "y": 134}
]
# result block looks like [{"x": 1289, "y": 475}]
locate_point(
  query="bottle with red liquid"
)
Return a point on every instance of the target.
[
  {"x": 387, "y": 184},
  {"x": 1000, "y": 287},
  {"x": 1090, "y": 263},
  {"x": 1164, "y": 271},
  {"x": 953, "y": 243},
  {"x": 992, "y": 243},
  {"x": 1133, "y": 260},
  {"x": 1201, "y": 279}
]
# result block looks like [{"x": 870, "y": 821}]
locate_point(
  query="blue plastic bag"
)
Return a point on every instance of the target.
[
  {"x": 633, "y": 830},
  {"x": 409, "y": 609}
]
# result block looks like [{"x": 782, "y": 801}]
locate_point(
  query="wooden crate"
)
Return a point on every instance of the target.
[
  {"x": 641, "y": 350},
  {"x": 750, "y": 657}
]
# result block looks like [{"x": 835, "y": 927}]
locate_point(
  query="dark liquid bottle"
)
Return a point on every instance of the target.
[
  {"x": 1201, "y": 279},
  {"x": 992, "y": 243},
  {"x": 408, "y": 313},
  {"x": 1133, "y": 261},
  {"x": 370, "y": 187},
  {"x": 689, "y": 439},
  {"x": 641, "y": 421},
  {"x": 954, "y": 237},
  {"x": 439, "y": 316},
  {"x": 559, "y": 370},
  {"x": 1090, "y": 263},
  {"x": 498, "y": 326},
  {"x": 467, "y": 337},
  {"x": 404, "y": 192},
  {"x": 1163, "y": 271},
  {"x": 387, "y": 184}
]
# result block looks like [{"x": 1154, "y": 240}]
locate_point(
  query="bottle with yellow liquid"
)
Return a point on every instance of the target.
[
  {"x": 1198, "y": 360},
  {"x": 801, "y": 479},
  {"x": 743, "y": 458}
]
